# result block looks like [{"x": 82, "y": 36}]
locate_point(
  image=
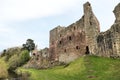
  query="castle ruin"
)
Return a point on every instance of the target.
[{"x": 84, "y": 37}]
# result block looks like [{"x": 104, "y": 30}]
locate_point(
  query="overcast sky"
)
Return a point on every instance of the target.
[{"x": 23, "y": 19}]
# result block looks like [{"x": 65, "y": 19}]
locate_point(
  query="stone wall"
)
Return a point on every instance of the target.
[
  {"x": 71, "y": 43},
  {"x": 68, "y": 43},
  {"x": 92, "y": 28},
  {"x": 54, "y": 35},
  {"x": 109, "y": 42},
  {"x": 80, "y": 38},
  {"x": 40, "y": 59},
  {"x": 117, "y": 13}
]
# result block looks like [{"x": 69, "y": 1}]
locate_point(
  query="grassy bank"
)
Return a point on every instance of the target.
[
  {"x": 84, "y": 68},
  {"x": 3, "y": 69}
]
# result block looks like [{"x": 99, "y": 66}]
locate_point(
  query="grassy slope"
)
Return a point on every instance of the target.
[
  {"x": 3, "y": 69},
  {"x": 84, "y": 68}
]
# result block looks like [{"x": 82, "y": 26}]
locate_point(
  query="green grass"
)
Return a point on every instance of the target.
[{"x": 84, "y": 68}]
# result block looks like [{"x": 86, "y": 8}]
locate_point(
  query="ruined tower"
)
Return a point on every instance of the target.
[
  {"x": 117, "y": 13},
  {"x": 92, "y": 28},
  {"x": 79, "y": 38},
  {"x": 54, "y": 35},
  {"x": 108, "y": 42},
  {"x": 84, "y": 37},
  {"x": 116, "y": 29}
]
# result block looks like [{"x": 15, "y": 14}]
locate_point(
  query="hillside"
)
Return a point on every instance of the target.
[{"x": 84, "y": 68}]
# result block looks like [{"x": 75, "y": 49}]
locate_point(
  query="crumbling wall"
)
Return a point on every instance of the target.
[
  {"x": 105, "y": 43},
  {"x": 71, "y": 43},
  {"x": 109, "y": 42},
  {"x": 117, "y": 13},
  {"x": 39, "y": 60},
  {"x": 54, "y": 36},
  {"x": 116, "y": 30},
  {"x": 92, "y": 28},
  {"x": 68, "y": 43},
  {"x": 79, "y": 38},
  {"x": 84, "y": 37}
]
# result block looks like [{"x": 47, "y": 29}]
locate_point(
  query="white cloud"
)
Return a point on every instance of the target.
[
  {"x": 5, "y": 29},
  {"x": 20, "y": 10},
  {"x": 27, "y": 9}
]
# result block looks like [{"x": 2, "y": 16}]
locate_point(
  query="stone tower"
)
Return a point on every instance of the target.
[
  {"x": 54, "y": 35},
  {"x": 116, "y": 29},
  {"x": 117, "y": 13},
  {"x": 68, "y": 43},
  {"x": 92, "y": 28}
]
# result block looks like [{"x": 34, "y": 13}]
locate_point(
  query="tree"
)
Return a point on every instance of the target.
[
  {"x": 3, "y": 53},
  {"x": 24, "y": 57},
  {"x": 30, "y": 45}
]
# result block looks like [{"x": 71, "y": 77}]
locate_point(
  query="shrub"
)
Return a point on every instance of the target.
[
  {"x": 10, "y": 52},
  {"x": 3, "y": 69},
  {"x": 24, "y": 56},
  {"x": 18, "y": 60},
  {"x": 14, "y": 62}
]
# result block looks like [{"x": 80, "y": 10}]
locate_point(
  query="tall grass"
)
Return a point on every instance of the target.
[
  {"x": 84, "y": 68},
  {"x": 3, "y": 69}
]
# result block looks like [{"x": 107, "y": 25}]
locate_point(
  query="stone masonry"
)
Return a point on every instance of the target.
[
  {"x": 108, "y": 42},
  {"x": 84, "y": 37}
]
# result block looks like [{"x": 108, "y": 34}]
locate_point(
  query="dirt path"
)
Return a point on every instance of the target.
[{"x": 90, "y": 72}]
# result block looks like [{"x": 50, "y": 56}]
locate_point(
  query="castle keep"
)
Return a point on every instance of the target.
[
  {"x": 80, "y": 38},
  {"x": 84, "y": 37}
]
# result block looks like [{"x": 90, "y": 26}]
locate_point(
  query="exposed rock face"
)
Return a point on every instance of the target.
[{"x": 68, "y": 43}]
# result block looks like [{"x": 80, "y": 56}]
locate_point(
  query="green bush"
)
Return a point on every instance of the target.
[
  {"x": 10, "y": 52},
  {"x": 24, "y": 56},
  {"x": 14, "y": 62},
  {"x": 3, "y": 69},
  {"x": 18, "y": 60}
]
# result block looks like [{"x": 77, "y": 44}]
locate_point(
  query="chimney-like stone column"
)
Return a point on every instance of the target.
[{"x": 92, "y": 28}]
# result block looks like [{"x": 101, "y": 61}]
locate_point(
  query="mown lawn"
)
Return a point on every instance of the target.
[{"x": 84, "y": 68}]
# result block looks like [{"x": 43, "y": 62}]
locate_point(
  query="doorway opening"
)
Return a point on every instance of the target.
[{"x": 87, "y": 50}]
